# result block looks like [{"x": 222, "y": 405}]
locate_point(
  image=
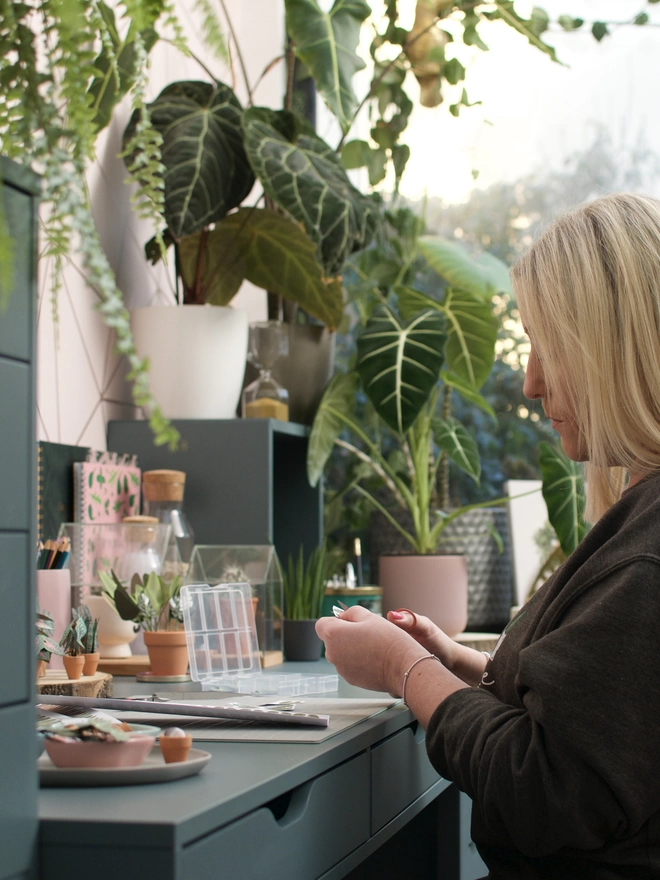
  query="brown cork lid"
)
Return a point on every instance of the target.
[
  {"x": 147, "y": 534},
  {"x": 163, "y": 485}
]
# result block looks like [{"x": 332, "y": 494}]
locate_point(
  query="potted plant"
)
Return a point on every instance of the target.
[
  {"x": 90, "y": 641},
  {"x": 304, "y": 589},
  {"x": 153, "y": 604},
  {"x": 44, "y": 643},
  {"x": 72, "y": 644},
  {"x": 416, "y": 348}
]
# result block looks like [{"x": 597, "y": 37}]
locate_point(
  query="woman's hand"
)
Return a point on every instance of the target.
[
  {"x": 466, "y": 663},
  {"x": 368, "y": 650},
  {"x": 371, "y": 652}
]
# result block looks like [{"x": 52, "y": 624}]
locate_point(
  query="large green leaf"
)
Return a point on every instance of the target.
[
  {"x": 471, "y": 331},
  {"x": 326, "y": 42},
  {"x": 471, "y": 336},
  {"x": 563, "y": 491},
  {"x": 399, "y": 364},
  {"x": 338, "y": 399},
  {"x": 271, "y": 251},
  {"x": 207, "y": 171},
  {"x": 461, "y": 447},
  {"x": 306, "y": 178},
  {"x": 481, "y": 277}
]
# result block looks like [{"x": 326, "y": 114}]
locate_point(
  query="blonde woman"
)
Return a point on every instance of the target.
[{"x": 556, "y": 737}]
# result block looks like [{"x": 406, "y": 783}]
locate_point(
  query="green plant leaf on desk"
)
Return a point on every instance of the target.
[
  {"x": 399, "y": 364},
  {"x": 326, "y": 43},
  {"x": 563, "y": 491},
  {"x": 304, "y": 585},
  {"x": 268, "y": 249}
]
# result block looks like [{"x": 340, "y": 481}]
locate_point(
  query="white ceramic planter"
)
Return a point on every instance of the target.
[
  {"x": 115, "y": 634},
  {"x": 197, "y": 358},
  {"x": 435, "y": 586}
]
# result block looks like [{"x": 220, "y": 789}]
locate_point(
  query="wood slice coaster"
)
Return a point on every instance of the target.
[
  {"x": 271, "y": 658},
  {"x": 55, "y": 681},
  {"x": 478, "y": 641},
  {"x": 133, "y": 665}
]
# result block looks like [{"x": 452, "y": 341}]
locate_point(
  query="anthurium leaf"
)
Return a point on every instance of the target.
[
  {"x": 399, "y": 364},
  {"x": 271, "y": 251},
  {"x": 481, "y": 277},
  {"x": 326, "y": 42},
  {"x": 468, "y": 392},
  {"x": 471, "y": 336},
  {"x": 338, "y": 399},
  {"x": 307, "y": 179},
  {"x": 212, "y": 264},
  {"x": 563, "y": 491},
  {"x": 461, "y": 447},
  {"x": 207, "y": 171},
  {"x": 411, "y": 302}
]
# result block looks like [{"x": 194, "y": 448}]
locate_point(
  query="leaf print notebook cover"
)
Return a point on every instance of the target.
[{"x": 107, "y": 488}]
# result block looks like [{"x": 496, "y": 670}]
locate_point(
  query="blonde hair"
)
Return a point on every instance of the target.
[{"x": 589, "y": 290}]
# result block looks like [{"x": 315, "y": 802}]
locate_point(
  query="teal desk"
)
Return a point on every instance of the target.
[{"x": 364, "y": 804}]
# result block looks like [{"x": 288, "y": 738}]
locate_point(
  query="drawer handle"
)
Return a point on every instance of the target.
[{"x": 290, "y": 807}]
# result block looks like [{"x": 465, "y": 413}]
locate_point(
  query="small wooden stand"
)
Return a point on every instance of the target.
[
  {"x": 133, "y": 665},
  {"x": 56, "y": 682}
]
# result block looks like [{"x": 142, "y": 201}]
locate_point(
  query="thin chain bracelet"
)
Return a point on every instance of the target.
[{"x": 410, "y": 669}]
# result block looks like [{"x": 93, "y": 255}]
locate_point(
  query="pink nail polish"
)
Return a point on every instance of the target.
[{"x": 394, "y": 615}]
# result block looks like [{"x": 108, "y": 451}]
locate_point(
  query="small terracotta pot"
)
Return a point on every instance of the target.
[
  {"x": 175, "y": 748},
  {"x": 74, "y": 666},
  {"x": 91, "y": 663},
  {"x": 168, "y": 652}
]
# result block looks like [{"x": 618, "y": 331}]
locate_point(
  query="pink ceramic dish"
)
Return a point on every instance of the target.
[{"x": 78, "y": 753}]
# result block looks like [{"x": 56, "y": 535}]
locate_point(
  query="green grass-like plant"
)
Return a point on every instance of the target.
[{"x": 304, "y": 585}]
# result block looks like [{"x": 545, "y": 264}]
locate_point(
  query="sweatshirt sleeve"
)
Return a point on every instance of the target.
[{"x": 575, "y": 762}]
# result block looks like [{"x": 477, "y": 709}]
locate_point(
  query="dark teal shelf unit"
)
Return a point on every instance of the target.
[
  {"x": 246, "y": 479},
  {"x": 18, "y": 805}
]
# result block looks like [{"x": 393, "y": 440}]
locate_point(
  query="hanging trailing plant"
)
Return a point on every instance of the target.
[{"x": 64, "y": 65}]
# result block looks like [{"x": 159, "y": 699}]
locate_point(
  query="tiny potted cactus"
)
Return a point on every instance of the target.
[
  {"x": 44, "y": 641},
  {"x": 90, "y": 641},
  {"x": 72, "y": 644}
]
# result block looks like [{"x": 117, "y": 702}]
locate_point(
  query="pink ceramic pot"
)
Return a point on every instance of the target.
[{"x": 78, "y": 753}]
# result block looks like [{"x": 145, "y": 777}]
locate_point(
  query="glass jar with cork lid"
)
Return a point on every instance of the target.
[{"x": 162, "y": 494}]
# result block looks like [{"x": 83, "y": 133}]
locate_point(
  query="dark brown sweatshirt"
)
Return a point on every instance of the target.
[{"x": 559, "y": 746}]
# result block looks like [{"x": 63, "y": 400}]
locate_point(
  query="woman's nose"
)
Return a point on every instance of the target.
[{"x": 534, "y": 386}]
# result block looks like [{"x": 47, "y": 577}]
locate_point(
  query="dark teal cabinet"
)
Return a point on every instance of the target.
[{"x": 18, "y": 805}]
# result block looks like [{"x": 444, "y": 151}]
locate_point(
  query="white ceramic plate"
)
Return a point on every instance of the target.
[{"x": 154, "y": 769}]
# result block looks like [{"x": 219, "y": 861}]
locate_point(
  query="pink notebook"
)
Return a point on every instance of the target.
[{"x": 106, "y": 490}]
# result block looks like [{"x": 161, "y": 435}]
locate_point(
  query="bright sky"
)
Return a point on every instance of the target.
[{"x": 535, "y": 111}]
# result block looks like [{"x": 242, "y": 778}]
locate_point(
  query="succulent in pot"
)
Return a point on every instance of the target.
[
  {"x": 72, "y": 644},
  {"x": 154, "y": 604}
]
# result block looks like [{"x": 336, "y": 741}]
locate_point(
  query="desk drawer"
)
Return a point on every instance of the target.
[
  {"x": 400, "y": 773},
  {"x": 300, "y": 835}
]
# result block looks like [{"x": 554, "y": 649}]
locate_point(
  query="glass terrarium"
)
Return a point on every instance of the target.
[
  {"x": 265, "y": 398},
  {"x": 127, "y": 548},
  {"x": 257, "y": 566}
]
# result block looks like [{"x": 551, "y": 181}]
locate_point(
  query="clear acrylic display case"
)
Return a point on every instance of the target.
[{"x": 258, "y": 566}]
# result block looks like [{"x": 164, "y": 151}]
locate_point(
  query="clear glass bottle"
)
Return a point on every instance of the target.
[{"x": 162, "y": 496}]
